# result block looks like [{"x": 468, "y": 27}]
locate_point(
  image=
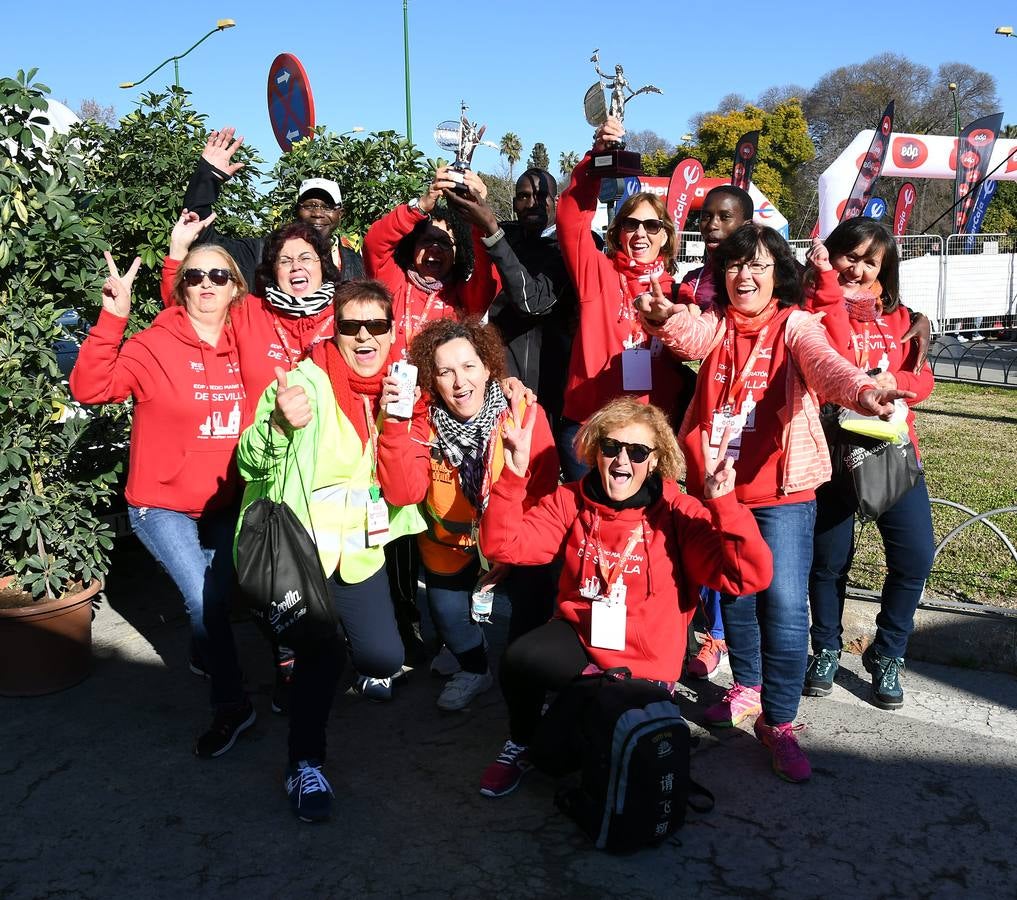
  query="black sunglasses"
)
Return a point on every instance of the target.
[
  {"x": 638, "y": 453},
  {"x": 194, "y": 277},
  {"x": 630, "y": 224},
  {"x": 351, "y": 327}
]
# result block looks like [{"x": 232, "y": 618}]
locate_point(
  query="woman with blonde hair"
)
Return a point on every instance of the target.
[{"x": 625, "y": 532}]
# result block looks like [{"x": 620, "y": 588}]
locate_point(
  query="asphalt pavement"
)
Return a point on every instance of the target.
[{"x": 100, "y": 795}]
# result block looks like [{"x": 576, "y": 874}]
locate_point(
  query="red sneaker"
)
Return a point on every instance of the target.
[
  {"x": 789, "y": 760},
  {"x": 504, "y": 774},
  {"x": 712, "y": 652}
]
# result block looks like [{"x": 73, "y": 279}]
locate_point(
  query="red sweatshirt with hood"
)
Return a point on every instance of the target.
[
  {"x": 683, "y": 543},
  {"x": 189, "y": 408}
]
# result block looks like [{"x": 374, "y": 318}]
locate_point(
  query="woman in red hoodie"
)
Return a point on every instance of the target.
[
  {"x": 182, "y": 485},
  {"x": 857, "y": 287},
  {"x": 612, "y": 354},
  {"x": 625, "y": 532}
]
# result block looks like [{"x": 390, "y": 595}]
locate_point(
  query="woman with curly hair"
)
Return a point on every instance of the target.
[
  {"x": 434, "y": 264},
  {"x": 625, "y": 530},
  {"x": 448, "y": 458}
]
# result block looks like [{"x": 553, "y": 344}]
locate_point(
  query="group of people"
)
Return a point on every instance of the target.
[{"x": 553, "y": 419}]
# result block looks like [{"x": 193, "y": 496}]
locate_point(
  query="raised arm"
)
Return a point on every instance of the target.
[{"x": 404, "y": 457}]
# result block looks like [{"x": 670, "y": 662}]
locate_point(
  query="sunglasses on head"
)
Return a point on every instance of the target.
[
  {"x": 638, "y": 453},
  {"x": 631, "y": 224},
  {"x": 194, "y": 277},
  {"x": 351, "y": 327}
]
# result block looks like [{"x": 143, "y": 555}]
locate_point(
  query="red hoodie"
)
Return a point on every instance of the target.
[
  {"x": 607, "y": 319},
  {"x": 684, "y": 544},
  {"x": 413, "y": 307},
  {"x": 265, "y": 337},
  {"x": 189, "y": 408}
]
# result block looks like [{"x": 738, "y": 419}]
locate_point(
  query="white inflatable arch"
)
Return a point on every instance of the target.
[{"x": 909, "y": 156}]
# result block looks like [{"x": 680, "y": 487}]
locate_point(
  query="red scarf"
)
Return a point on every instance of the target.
[
  {"x": 865, "y": 305},
  {"x": 349, "y": 387},
  {"x": 746, "y": 324},
  {"x": 637, "y": 274}
]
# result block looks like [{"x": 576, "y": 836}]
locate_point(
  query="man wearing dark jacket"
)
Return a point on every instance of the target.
[{"x": 319, "y": 203}]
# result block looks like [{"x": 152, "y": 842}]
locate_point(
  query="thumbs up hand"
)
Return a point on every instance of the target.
[{"x": 292, "y": 406}]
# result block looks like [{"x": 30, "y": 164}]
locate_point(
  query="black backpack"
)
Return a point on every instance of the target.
[{"x": 631, "y": 745}]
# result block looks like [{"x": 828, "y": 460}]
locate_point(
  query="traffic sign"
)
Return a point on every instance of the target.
[{"x": 290, "y": 102}]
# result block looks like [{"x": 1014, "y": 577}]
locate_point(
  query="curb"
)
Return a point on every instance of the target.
[{"x": 968, "y": 635}]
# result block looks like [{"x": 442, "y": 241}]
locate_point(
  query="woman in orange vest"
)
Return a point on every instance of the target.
[{"x": 447, "y": 458}]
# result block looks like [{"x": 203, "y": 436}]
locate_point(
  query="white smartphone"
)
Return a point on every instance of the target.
[{"x": 407, "y": 375}]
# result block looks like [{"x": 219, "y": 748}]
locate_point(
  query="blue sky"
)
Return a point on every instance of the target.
[{"x": 521, "y": 66}]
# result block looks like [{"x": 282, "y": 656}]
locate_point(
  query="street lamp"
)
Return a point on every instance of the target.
[
  {"x": 956, "y": 110},
  {"x": 1006, "y": 31},
  {"x": 220, "y": 25},
  {"x": 406, "y": 68},
  {"x": 356, "y": 129}
]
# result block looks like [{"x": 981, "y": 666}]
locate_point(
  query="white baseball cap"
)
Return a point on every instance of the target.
[{"x": 320, "y": 184}]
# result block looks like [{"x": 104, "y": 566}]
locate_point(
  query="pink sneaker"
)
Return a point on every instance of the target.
[
  {"x": 504, "y": 774},
  {"x": 739, "y": 703},
  {"x": 789, "y": 760},
  {"x": 712, "y": 653}
]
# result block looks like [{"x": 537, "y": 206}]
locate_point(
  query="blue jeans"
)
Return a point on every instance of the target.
[
  {"x": 198, "y": 555},
  {"x": 573, "y": 467},
  {"x": 709, "y": 602},
  {"x": 768, "y": 632},
  {"x": 908, "y": 542}
]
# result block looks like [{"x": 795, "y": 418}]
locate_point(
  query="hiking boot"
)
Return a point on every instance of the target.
[
  {"x": 377, "y": 689},
  {"x": 885, "y": 671},
  {"x": 738, "y": 703},
  {"x": 789, "y": 760},
  {"x": 819, "y": 675},
  {"x": 230, "y": 720},
  {"x": 712, "y": 652},
  {"x": 281, "y": 689},
  {"x": 462, "y": 688},
  {"x": 504, "y": 774},
  {"x": 309, "y": 791},
  {"x": 445, "y": 663}
]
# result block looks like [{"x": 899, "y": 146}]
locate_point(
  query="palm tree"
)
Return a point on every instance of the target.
[
  {"x": 568, "y": 160},
  {"x": 511, "y": 148}
]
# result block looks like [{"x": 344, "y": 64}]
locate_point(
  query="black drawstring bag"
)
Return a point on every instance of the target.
[
  {"x": 279, "y": 572},
  {"x": 280, "y": 576}
]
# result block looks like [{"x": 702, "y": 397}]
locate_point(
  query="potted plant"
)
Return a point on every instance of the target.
[{"x": 54, "y": 471}]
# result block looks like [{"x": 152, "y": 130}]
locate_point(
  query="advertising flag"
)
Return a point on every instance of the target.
[
  {"x": 985, "y": 194},
  {"x": 680, "y": 190},
  {"x": 902, "y": 209},
  {"x": 972, "y": 162},
  {"x": 745, "y": 160},
  {"x": 869, "y": 168}
]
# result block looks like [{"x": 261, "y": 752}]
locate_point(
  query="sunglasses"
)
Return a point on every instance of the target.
[
  {"x": 651, "y": 226},
  {"x": 194, "y": 277},
  {"x": 638, "y": 453},
  {"x": 351, "y": 327}
]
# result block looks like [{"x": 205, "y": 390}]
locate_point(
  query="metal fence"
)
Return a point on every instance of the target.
[{"x": 966, "y": 284}]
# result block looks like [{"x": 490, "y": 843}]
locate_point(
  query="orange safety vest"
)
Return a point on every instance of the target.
[{"x": 450, "y": 542}]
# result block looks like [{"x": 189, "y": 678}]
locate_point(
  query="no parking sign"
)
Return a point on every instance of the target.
[{"x": 290, "y": 103}]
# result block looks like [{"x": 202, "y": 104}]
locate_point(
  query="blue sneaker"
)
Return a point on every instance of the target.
[
  {"x": 887, "y": 692},
  {"x": 819, "y": 676},
  {"x": 309, "y": 791}
]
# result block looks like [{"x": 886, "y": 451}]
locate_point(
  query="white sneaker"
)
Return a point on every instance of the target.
[
  {"x": 445, "y": 663},
  {"x": 463, "y": 687}
]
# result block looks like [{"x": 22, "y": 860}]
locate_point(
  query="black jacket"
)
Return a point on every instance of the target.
[{"x": 202, "y": 193}]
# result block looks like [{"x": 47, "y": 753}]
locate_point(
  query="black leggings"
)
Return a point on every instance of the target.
[{"x": 548, "y": 657}]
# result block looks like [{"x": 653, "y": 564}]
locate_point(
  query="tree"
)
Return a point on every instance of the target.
[
  {"x": 539, "y": 158},
  {"x": 375, "y": 174},
  {"x": 92, "y": 109},
  {"x": 512, "y": 149},
  {"x": 500, "y": 194},
  {"x": 648, "y": 143},
  {"x": 567, "y": 161}
]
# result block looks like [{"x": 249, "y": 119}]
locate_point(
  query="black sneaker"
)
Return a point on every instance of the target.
[
  {"x": 819, "y": 675},
  {"x": 309, "y": 791},
  {"x": 230, "y": 719},
  {"x": 885, "y": 670},
  {"x": 281, "y": 689}
]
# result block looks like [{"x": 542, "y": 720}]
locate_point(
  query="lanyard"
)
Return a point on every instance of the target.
[
  {"x": 372, "y": 431},
  {"x": 627, "y": 313},
  {"x": 294, "y": 355},
  {"x": 735, "y": 387},
  {"x": 408, "y": 317},
  {"x": 626, "y": 555}
]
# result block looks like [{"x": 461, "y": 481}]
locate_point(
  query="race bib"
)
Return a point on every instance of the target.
[{"x": 636, "y": 373}]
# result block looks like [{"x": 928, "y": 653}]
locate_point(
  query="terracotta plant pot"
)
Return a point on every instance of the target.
[{"x": 46, "y": 647}]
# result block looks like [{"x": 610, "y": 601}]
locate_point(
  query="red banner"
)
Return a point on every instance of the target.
[
  {"x": 902, "y": 210},
  {"x": 871, "y": 166},
  {"x": 745, "y": 160},
  {"x": 972, "y": 162},
  {"x": 680, "y": 190}
]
